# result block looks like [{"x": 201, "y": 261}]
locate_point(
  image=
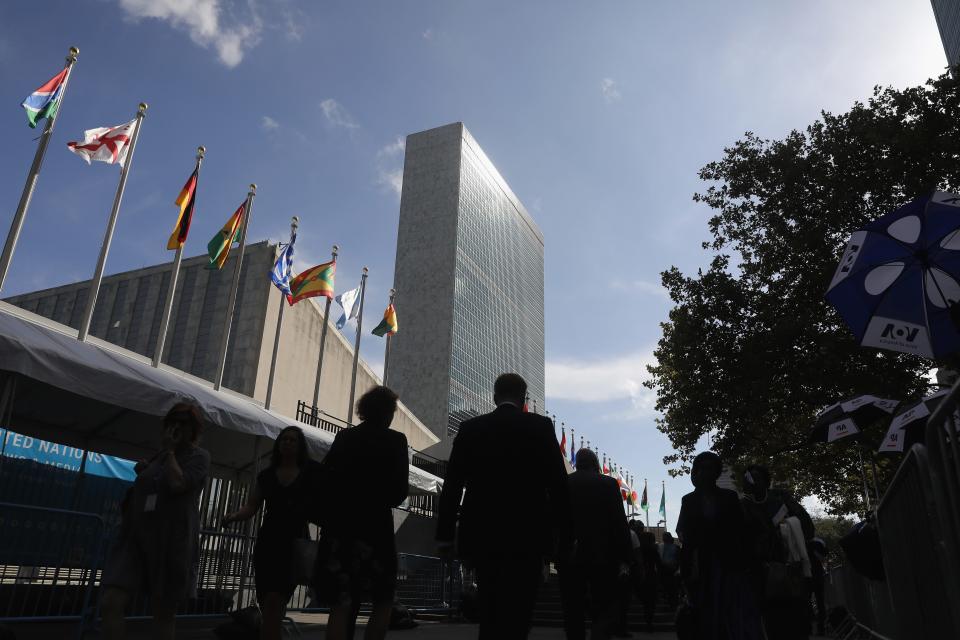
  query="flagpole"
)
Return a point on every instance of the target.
[
  {"x": 174, "y": 275},
  {"x": 386, "y": 353},
  {"x": 294, "y": 223},
  {"x": 356, "y": 348},
  {"x": 111, "y": 225},
  {"x": 323, "y": 342},
  {"x": 17, "y": 224},
  {"x": 222, "y": 360},
  {"x": 663, "y": 502},
  {"x": 648, "y": 502}
]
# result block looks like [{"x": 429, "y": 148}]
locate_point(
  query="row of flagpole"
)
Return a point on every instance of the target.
[
  {"x": 116, "y": 145},
  {"x": 624, "y": 478}
]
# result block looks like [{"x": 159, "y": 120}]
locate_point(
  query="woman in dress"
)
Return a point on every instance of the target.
[
  {"x": 367, "y": 464},
  {"x": 283, "y": 486},
  {"x": 158, "y": 548}
]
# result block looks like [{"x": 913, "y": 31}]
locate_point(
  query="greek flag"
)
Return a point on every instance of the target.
[{"x": 283, "y": 269}]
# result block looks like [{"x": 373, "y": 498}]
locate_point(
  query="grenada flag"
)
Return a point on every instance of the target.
[{"x": 43, "y": 102}]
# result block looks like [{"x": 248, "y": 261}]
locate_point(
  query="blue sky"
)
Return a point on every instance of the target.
[{"x": 598, "y": 115}]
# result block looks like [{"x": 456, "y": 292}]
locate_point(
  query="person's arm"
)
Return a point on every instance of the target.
[
  {"x": 796, "y": 509},
  {"x": 453, "y": 484},
  {"x": 191, "y": 476},
  {"x": 558, "y": 487},
  {"x": 621, "y": 529},
  {"x": 247, "y": 511},
  {"x": 399, "y": 483}
]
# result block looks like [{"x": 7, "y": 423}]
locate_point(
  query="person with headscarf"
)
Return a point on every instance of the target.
[{"x": 710, "y": 527}]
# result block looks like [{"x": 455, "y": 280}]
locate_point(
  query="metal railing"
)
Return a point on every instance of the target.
[
  {"x": 919, "y": 529},
  {"x": 49, "y": 563},
  {"x": 309, "y": 414},
  {"x": 866, "y": 600}
]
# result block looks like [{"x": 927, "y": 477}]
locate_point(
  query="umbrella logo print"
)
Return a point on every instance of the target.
[{"x": 904, "y": 333}]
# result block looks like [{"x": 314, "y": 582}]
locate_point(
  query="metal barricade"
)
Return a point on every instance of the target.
[
  {"x": 49, "y": 562},
  {"x": 918, "y": 524},
  {"x": 868, "y": 601}
]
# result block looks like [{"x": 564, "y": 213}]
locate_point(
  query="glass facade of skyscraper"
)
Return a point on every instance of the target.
[
  {"x": 947, "y": 13},
  {"x": 498, "y": 323}
]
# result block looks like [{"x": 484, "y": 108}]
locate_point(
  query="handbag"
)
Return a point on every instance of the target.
[{"x": 304, "y": 558}]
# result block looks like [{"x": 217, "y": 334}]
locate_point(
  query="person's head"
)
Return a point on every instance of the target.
[
  {"x": 667, "y": 538},
  {"x": 510, "y": 387},
  {"x": 377, "y": 406},
  {"x": 183, "y": 424},
  {"x": 756, "y": 480},
  {"x": 706, "y": 469},
  {"x": 637, "y": 526},
  {"x": 587, "y": 461},
  {"x": 291, "y": 444}
]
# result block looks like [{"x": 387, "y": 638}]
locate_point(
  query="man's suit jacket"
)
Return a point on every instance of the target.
[
  {"x": 516, "y": 501},
  {"x": 599, "y": 523}
]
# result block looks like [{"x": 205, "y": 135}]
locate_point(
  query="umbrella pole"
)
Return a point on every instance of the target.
[
  {"x": 873, "y": 470},
  {"x": 863, "y": 478}
]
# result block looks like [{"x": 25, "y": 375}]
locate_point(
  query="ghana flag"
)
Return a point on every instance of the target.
[
  {"x": 219, "y": 247},
  {"x": 388, "y": 326},
  {"x": 185, "y": 201},
  {"x": 315, "y": 281}
]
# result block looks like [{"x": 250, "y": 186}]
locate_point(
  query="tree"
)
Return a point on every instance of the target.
[{"x": 751, "y": 351}]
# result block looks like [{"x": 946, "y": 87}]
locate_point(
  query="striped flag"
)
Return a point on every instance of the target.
[
  {"x": 185, "y": 201},
  {"x": 315, "y": 281},
  {"x": 105, "y": 144},
  {"x": 643, "y": 498},
  {"x": 43, "y": 102},
  {"x": 219, "y": 246},
  {"x": 563, "y": 441},
  {"x": 663, "y": 503},
  {"x": 388, "y": 326},
  {"x": 283, "y": 268}
]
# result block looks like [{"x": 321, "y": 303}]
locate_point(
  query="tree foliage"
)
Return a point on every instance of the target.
[{"x": 752, "y": 351}]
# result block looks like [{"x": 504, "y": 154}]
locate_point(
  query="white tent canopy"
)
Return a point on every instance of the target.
[{"x": 97, "y": 396}]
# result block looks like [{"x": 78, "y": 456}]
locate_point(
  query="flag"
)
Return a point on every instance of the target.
[
  {"x": 219, "y": 246},
  {"x": 283, "y": 269},
  {"x": 185, "y": 201},
  {"x": 43, "y": 102},
  {"x": 663, "y": 504},
  {"x": 606, "y": 469},
  {"x": 563, "y": 441},
  {"x": 349, "y": 301},
  {"x": 105, "y": 144},
  {"x": 315, "y": 281},
  {"x": 633, "y": 496},
  {"x": 573, "y": 452},
  {"x": 643, "y": 498},
  {"x": 388, "y": 326}
]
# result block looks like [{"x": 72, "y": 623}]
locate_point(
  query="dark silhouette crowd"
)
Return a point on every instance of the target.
[{"x": 744, "y": 568}]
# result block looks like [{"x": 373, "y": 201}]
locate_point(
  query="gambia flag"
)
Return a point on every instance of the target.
[
  {"x": 43, "y": 102},
  {"x": 388, "y": 326},
  {"x": 315, "y": 281},
  {"x": 185, "y": 201},
  {"x": 219, "y": 247}
]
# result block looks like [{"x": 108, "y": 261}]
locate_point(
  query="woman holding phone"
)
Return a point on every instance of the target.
[{"x": 158, "y": 547}]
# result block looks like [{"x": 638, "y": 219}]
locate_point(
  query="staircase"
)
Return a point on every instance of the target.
[{"x": 548, "y": 611}]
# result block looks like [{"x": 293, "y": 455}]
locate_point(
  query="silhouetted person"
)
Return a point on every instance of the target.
[
  {"x": 670, "y": 566},
  {"x": 711, "y": 529},
  {"x": 599, "y": 553},
  {"x": 647, "y": 570},
  {"x": 158, "y": 549},
  {"x": 362, "y": 477},
  {"x": 514, "y": 507},
  {"x": 285, "y": 487},
  {"x": 784, "y": 595},
  {"x": 817, "y": 551}
]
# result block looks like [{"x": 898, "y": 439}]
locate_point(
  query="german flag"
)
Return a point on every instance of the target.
[{"x": 186, "y": 200}]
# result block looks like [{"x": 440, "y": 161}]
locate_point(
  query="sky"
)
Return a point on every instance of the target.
[{"x": 599, "y": 115}]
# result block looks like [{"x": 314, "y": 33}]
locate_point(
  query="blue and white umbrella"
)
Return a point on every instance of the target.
[{"x": 898, "y": 282}]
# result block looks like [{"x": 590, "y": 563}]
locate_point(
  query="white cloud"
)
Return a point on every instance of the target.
[
  {"x": 641, "y": 286},
  {"x": 336, "y": 115},
  {"x": 609, "y": 89},
  {"x": 427, "y": 35},
  {"x": 202, "y": 20},
  {"x": 392, "y": 179},
  {"x": 395, "y": 148},
  {"x": 596, "y": 381},
  {"x": 269, "y": 124}
]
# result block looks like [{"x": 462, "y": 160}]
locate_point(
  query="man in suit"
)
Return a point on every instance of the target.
[
  {"x": 598, "y": 561},
  {"x": 506, "y": 485}
]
